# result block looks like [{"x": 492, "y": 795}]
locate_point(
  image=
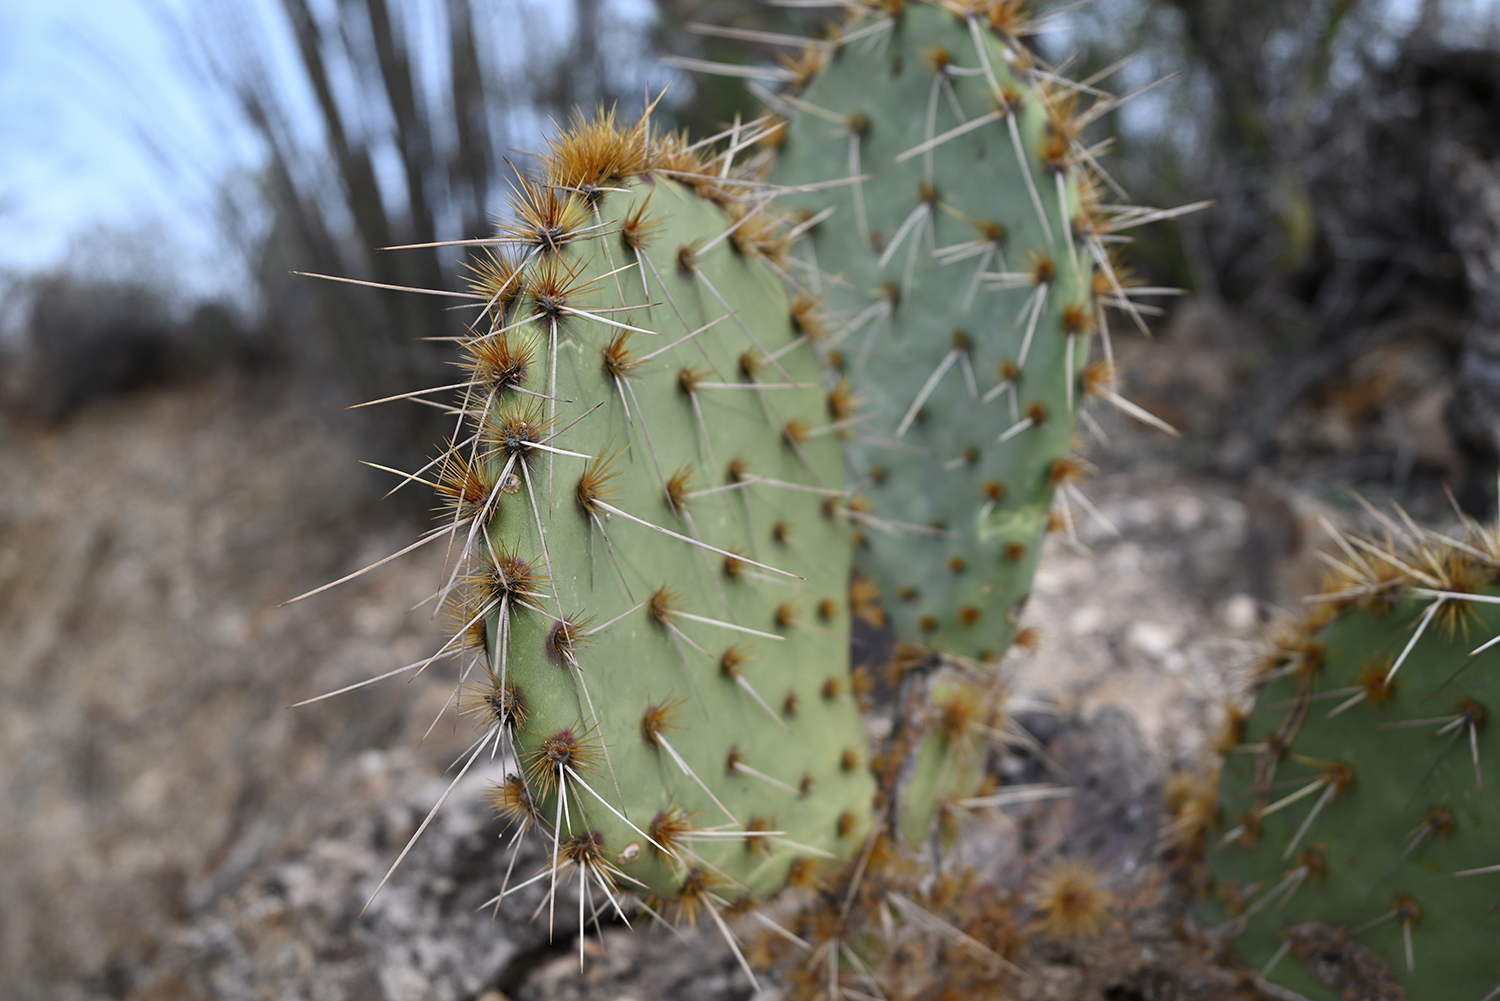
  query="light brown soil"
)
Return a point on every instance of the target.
[{"x": 169, "y": 829}]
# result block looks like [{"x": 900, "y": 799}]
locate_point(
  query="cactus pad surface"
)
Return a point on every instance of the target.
[{"x": 1363, "y": 805}]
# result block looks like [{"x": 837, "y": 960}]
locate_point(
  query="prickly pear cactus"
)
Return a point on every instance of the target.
[
  {"x": 1359, "y": 792},
  {"x": 649, "y": 586},
  {"x": 953, "y": 247}
]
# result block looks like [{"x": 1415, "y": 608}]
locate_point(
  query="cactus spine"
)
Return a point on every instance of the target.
[
  {"x": 958, "y": 266},
  {"x": 1353, "y": 802},
  {"x": 649, "y": 584},
  {"x": 647, "y": 497}
]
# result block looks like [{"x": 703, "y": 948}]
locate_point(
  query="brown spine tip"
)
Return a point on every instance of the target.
[
  {"x": 750, "y": 363},
  {"x": 731, "y": 661},
  {"x": 659, "y": 606},
  {"x": 497, "y": 362},
  {"x": 1077, "y": 320},
  {"x": 506, "y": 705},
  {"x": 595, "y": 484},
  {"x": 566, "y": 636},
  {"x": 636, "y": 229},
  {"x": 841, "y": 401},
  {"x": 512, "y": 801},
  {"x": 864, "y": 601},
  {"x": 754, "y": 843},
  {"x": 477, "y": 635},
  {"x": 679, "y": 485},
  {"x": 1007, "y": 17},
  {"x": 1099, "y": 378},
  {"x": 515, "y": 429},
  {"x": 1056, "y": 153},
  {"x": 618, "y": 360},
  {"x": 562, "y": 751},
  {"x": 659, "y": 718},
  {"x": 505, "y": 576},
  {"x": 1065, "y": 470},
  {"x": 668, "y": 829},
  {"x": 803, "y": 875},
  {"x": 807, "y": 318}
]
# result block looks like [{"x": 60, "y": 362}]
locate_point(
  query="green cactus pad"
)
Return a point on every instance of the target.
[
  {"x": 670, "y": 703},
  {"x": 960, "y": 307},
  {"x": 1399, "y": 781}
]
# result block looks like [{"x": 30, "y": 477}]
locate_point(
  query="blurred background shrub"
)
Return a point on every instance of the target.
[{"x": 1342, "y": 308}]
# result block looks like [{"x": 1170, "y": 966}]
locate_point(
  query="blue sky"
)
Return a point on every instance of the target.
[{"x": 102, "y": 125}]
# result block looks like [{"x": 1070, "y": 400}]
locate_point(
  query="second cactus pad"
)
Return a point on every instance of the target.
[
  {"x": 1357, "y": 801},
  {"x": 957, "y": 272},
  {"x": 654, "y": 576}
]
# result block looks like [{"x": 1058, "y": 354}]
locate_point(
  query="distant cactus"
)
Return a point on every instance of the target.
[
  {"x": 955, "y": 277},
  {"x": 1356, "y": 800},
  {"x": 957, "y": 251}
]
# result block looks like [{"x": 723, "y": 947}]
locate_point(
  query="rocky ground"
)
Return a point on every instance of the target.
[{"x": 168, "y": 829}]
